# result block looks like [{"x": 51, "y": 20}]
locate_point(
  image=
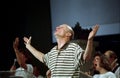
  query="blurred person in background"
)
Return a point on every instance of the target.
[
  {"x": 24, "y": 69},
  {"x": 102, "y": 65},
  {"x": 113, "y": 59}
]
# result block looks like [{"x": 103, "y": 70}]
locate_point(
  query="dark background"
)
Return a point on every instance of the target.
[
  {"x": 24, "y": 18},
  {"x": 32, "y": 18}
]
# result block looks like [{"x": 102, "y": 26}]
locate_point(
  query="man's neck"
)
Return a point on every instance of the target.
[{"x": 61, "y": 43}]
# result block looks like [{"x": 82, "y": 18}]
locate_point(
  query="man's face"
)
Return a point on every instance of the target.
[{"x": 60, "y": 31}]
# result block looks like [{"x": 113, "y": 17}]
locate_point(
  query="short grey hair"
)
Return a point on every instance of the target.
[{"x": 70, "y": 30}]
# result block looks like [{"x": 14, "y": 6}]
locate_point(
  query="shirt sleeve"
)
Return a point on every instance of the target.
[
  {"x": 79, "y": 54},
  {"x": 46, "y": 59}
]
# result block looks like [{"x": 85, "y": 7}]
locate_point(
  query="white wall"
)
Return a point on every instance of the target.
[{"x": 106, "y": 13}]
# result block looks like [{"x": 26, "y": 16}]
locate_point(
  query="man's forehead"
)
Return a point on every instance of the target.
[{"x": 63, "y": 25}]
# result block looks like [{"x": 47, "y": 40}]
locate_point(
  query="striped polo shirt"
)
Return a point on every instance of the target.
[{"x": 64, "y": 63}]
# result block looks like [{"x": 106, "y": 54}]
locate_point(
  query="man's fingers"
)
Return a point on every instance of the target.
[
  {"x": 96, "y": 27},
  {"x": 29, "y": 40}
]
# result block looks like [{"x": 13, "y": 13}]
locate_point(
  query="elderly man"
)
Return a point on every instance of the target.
[{"x": 65, "y": 58}]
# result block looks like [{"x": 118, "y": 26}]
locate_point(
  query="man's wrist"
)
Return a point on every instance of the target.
[
  {"x": 90, "y": 40},
  {"x": 28, "y": 45}
]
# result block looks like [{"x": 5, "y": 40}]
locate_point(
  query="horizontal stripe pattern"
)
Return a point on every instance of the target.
[{"x": 64, "y": 63}]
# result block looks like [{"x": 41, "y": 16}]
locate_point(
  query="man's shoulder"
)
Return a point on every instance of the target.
[{"x": 74, "y": 42}]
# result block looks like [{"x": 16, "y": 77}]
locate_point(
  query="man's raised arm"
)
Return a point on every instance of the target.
[
  {"x": 39, "y": 55},
  {"x": 89, "y": 47}
]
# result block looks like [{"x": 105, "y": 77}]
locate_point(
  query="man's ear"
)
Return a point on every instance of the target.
[{"x": 68, "y": 34}]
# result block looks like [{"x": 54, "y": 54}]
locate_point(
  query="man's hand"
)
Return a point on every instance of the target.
[
  {"x": 27, "y": 41},
  {"x": 93, "y": 32}
]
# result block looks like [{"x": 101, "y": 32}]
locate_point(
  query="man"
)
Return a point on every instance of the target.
[
  {"x": 112, "y": 57},
  {"x": 65, "y": 58}
]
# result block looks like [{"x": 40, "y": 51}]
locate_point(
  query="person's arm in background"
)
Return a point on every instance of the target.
[
  {"x": 89, "y": 47},
  {"x": 13, "y": 67},
  {"x": 20, "y": 56},
  {"x": 39, "y": 55}
]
